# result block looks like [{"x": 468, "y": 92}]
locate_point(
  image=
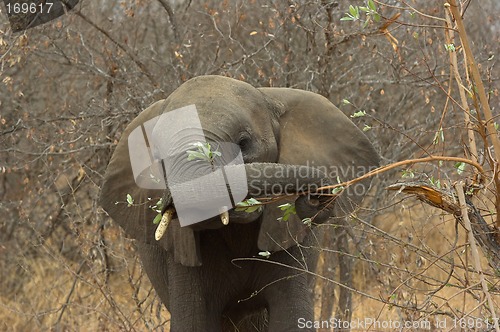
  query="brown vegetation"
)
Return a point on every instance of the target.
[{"x": 69, "y": 87}]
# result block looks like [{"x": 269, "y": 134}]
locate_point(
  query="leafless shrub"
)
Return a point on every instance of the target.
[{"x": 69, "y": 88}]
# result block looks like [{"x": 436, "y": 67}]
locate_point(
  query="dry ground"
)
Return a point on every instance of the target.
[{"x": 406, "y": 261}]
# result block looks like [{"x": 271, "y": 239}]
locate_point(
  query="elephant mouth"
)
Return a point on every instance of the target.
[
  {"x": 307, "y": 206},
  {"x": 262, "y": 179},
  {"x": 169, "y": 213}
]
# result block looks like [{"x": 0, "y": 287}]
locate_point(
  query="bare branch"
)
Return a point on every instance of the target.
[
  {"x": 171, "y": 17},
  {"x": 459, "y": 187}
]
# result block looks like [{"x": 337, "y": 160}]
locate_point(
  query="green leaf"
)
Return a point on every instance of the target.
[
  {"x": 460, "y": 167},
  {"x": 366, "y": 127},
  {"x": 372, "y": 6},
  {"x": 346, "y": 102},
  {"x": 130, "y": 200},
  {"x": 408, "y": 173},
  {"x": 337, "y": 190},
  {"x": 435, "y": 182},
  {"x": 347, "y": 18},
  {"x": 203, "y": 152},
  {"x": 376, "y": 17},
  {"x": 248, "y": 209},
  {"x": 157, "y": 207},
  {"x": 265, "y": 254},
  {"x": 358, "y": 114},
  {"x": 243, "y": 203},
  {"x": 253, "y": 201},
  {"x": 367, "y": 21},
  {"x": 250, "y": 205},
  {"x": 449, "y": 47},
  {"x": 253, "y": 208},
  {"x": 289, "y": 209},
  {"x": 193, "y": 155},
  {"x": 354, "y": 10},
  {"x": 439, "y": 135},
  {"x": 285, "y": 206},
  {"x": 157, "y": 219}
]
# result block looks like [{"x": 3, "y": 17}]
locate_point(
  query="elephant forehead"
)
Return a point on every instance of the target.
[
  {"x": 173, "y": 122},
  {"x": 224, "y": 116},
  {"x": 222, "y": 103},
  {"x": 212, "y": 83},
  {"x": 218, "y": 94}
]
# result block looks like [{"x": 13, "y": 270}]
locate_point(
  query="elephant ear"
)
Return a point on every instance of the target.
[
  {"x": 315, "y": 133},
  {"x": 137, "y": 218}
]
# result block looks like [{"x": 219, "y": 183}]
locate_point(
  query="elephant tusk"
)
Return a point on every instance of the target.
[
  {"x": 224, "y": 217},
  {"x": 162, "y": 226}
]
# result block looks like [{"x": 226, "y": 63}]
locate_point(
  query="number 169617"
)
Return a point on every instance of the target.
[{"x": 43, "y": 7}]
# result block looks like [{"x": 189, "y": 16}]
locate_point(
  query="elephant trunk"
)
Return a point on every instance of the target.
[
  {"x": 269, "y": 179},
  {"x": 206, "y": 197}
]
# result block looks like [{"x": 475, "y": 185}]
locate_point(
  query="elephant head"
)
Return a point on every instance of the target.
[{"x": 266, "y": 141}]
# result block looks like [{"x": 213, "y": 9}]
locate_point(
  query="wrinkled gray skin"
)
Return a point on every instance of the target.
[{"x": 192, "y": 268}]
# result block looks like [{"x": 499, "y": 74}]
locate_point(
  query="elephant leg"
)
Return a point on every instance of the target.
[
  {"x": 287, "y": 291},
  {"x": 290, "y": 303},
  {"x": 181, "y": 290},
  {"x": 154, "y": 261}
]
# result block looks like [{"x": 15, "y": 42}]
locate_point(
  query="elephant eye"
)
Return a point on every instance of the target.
[{"x": 245, "y": 143}]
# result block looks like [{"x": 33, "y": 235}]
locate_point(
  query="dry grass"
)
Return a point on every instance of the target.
[
  {"x": 64, "y": 267},
  {"x": 405, "y": 269},
  {"x": 53, "y": 293},
  {"x": 426, "y": 274}
]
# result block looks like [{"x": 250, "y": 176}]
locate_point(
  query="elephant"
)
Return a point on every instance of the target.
[{"x": 234, "y": 269}]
